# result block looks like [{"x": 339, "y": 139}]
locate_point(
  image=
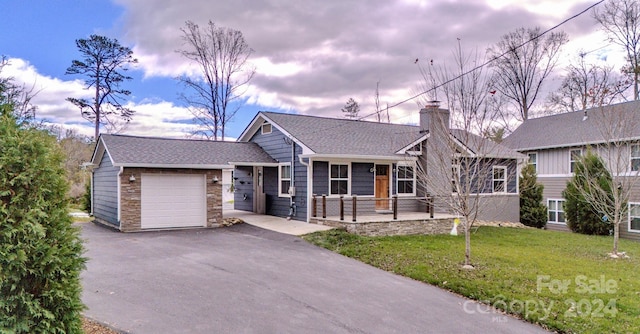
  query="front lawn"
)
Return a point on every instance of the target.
[{"x": 564, "y": 281}]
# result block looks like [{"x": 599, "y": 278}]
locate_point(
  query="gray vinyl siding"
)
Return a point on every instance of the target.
[
  {"x": 278, "y": 146},
  {"x": 105, "y": 191},
  {"x": 243, "y": 185},
  {"x": 362, "y": 179},
  {"x": 553, "y": 188},
  {"x": 500, "y": 208},
  {"x": 483, "y": 183}
]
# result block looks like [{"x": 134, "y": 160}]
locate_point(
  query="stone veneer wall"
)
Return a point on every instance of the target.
[
  {"x": 401, "y": 227},
  {"x": 130, "y": 195}
]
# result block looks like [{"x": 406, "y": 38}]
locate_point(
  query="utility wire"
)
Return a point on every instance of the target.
[
  {"x": 473, "y": 69},
  {"x": 488, "y": 61}
]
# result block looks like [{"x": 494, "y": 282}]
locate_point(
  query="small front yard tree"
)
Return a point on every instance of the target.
[
  {"x": 40, "y": 251},
  {"x": 456, "y": 174},
  {"x": 581, "y": 213},
  {"x": 532, "y": 212}
]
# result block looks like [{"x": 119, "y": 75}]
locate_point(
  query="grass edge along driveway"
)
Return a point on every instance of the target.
[{"x": 562, "y": 281}]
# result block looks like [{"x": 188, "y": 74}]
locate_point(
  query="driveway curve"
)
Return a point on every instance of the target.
[{"x": 244, "y": 279}]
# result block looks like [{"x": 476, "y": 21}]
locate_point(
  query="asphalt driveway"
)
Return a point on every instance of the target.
[{"x": 244, "y": 279}]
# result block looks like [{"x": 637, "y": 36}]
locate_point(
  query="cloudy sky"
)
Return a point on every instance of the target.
[{"x": 310, "y": 56}]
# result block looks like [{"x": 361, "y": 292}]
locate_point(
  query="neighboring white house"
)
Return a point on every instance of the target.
[{"x": 553, "y": 143}]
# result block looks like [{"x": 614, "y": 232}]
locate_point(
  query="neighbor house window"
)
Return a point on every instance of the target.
[
  {"x": 634, "y": 217},
  {"x": 499, "y": 179},
  {"x": 339, "y": 179},
  {"x": 266, "y": 128},
  {"x": 556, "y": 210},
  {"x": 533, "y": 160},
  {"x": 406, "y": 179},
  {"x": 284, "y": 174},
  {"x": 635, "y": 158},
  {"x": 455, "y": 177},
  {"x": 574, "y": 156}
]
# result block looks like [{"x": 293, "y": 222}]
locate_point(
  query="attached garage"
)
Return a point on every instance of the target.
[
  {"x": 173, "y": 200},
  {"x": 142, "y": 183}
]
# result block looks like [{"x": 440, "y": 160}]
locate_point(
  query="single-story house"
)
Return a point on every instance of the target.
[
  {"x": 151, "y": 183},
  {"x": 553, "y": 143},
  {"x": 281, "y": 162},
  {"x": 339, "y": 157}
]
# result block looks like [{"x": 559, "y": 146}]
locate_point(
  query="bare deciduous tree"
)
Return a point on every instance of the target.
[
  {"x": 613, "y": 131},
  {"x": 620, "y": 19},
  {"x": 104, "y": 62},
  {"x": 18, "y": 96},
  {"x": 522, "y": 60},
  {"x": 587, "y": 86},
  {"x": 459, "y": 163},
  {"x": 221, "y": 55}
]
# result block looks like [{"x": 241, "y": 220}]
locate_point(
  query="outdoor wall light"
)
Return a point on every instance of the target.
[
  {"x": 132, "y": 178},
  {"x": 215, "y": 179}
]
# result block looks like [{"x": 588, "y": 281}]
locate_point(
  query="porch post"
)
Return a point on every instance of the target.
[
  {"x": 395, "y": 207},
  {"x": 324, "y": 206},
  {"x": 355, "y": 200},
  {"x": 341, "y": 207},
  {"x": 314, "y": 209}
]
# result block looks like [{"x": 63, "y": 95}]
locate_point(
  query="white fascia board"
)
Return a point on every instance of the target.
[
  {"x": 98, "y": 152},
  {"x": 462, "y": 145},
  {"x": 248, "y": 132},
  {"x": 358, "y": 158},
  {"x": 172, "y": 166},
  {"x": 263, "y": 164},
  {"x": 420, "y": 140},
  {"x": 579, "y": 144}
]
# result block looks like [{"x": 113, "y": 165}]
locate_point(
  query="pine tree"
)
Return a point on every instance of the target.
[
  {"x": 351, "y": 108},
  {"x": 40, "y": 251},
  {"x": 581, "y": 216},
  {"x": 532, "y": 211}
]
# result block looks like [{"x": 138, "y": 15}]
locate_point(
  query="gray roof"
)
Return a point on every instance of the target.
[
  {"x": 141, "y": 151},
  {"x": 346, "y": 137},
  {"x": 485, "y": 147},
  {"x": 334, "y": 136},
  {"x": 602, "y": 124}
]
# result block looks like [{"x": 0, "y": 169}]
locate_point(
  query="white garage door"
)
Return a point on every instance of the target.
[{"x": 173, "y": 200}]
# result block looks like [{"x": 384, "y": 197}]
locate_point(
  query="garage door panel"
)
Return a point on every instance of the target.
[{"x": 173, "y": 200}]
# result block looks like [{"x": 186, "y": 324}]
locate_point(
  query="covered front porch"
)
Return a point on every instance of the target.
[{"x": 358, "y": 215}]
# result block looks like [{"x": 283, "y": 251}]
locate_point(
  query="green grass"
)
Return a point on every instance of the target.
[{"x": 513, "y": 268}]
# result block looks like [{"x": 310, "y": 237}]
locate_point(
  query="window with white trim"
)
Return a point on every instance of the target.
[
  {"x": 338, "y": 179},
  {"x": 405, "y": 179},
  {"x": 634, "y": 217},
  {"x": 635, "y": 158},
  {"x": 533, "y": 160},
  {"x": 284, "y": 180},
  {"x": 574, "y": 155},
  {"x": 555, "y": 211},
  {"x": 266, "y": 128},
  {"x": 499, "y": 179}
]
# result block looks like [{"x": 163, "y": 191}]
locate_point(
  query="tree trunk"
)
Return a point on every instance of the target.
[
  {"x": 616, "y": 233},
  {"x": 467, "y": 243}
]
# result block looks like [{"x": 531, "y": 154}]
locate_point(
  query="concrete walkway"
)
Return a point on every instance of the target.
[{"x": 277, "y": 224}]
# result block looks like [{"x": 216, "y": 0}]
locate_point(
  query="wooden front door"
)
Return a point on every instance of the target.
[
  {"x": 382, "y": 187},
  {"x": 258, "y": 191}
]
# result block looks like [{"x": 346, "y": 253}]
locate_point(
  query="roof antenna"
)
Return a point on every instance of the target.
[{"x": 584, "y": 118}]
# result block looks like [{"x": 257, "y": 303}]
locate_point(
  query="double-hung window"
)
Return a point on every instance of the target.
[
  {"x": 574, "y": 155},
  {"x": 533, "y": 160},
  {"x": 499, "y": 179},
  {"x": 339, "y": 179},
  {"x": 635, "y": 157},
  {"x": 634, "y": 217},
  {"x": 406, "y": 179},
  {"x": 284, "y": 180},
  {"x": 556, "y": 211}
]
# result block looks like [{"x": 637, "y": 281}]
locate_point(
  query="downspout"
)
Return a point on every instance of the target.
[
  {"x": 309, "y": 184},
  {"x": 292, "y": 187},
  {"x": 119, "y": 190}
]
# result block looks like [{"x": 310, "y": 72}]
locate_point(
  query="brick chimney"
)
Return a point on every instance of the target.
[{"x": 433, "y": 119}]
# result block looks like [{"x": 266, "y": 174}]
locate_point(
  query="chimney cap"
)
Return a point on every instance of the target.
[{"x": 433, "y": 104}]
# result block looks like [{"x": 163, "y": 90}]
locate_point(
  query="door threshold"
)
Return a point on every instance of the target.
[{"x": 384, "y": 211}]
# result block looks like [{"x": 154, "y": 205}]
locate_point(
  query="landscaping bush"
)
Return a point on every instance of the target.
[
  {"x": 532, "y": 211},
  {"x": 40, "y": 251},
  {"x": 581, "y": 216}
]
